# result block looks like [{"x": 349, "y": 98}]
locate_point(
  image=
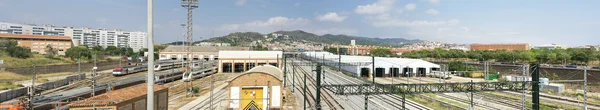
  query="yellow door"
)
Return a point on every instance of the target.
[{"x": 252, "y": 98}]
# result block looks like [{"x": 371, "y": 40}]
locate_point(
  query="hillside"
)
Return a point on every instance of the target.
[
  {"x": 237, "y": 38},
  {"x": 246, "y": 38}
]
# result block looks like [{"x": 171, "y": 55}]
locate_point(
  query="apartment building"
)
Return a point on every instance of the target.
[
  {"x": 81, "y": 36},
  {"x": 521, "y": 46}
]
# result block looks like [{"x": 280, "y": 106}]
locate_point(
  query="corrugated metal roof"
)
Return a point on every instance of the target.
[
  {"x": 250, "y": 54},
  {"x": 116, "y": 97}
]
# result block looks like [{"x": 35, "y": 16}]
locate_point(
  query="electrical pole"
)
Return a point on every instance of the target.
[
  {"x": 318, "y": 98},
  {"x": 285, "y": 71},
  {"x": 32, "y": 90},
  {"x": 94, "y": 77},
  {"x": 150, "y": 76},
  {"x": 523, "y": 76},
  {"x": 585, "y": 88},
  {"x": 373, "y": 68},
  {"x": 293, "y": 76}
]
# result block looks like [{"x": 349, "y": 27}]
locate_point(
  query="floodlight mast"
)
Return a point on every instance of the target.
[{"x": 189, "y": 5}]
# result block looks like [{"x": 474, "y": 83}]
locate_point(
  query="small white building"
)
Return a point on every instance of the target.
[
  {"x": 241, "y": 61},
  {"x": 384, "y": 67}
]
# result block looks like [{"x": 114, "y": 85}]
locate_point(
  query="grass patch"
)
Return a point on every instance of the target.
[
  {"x": 9, "y": 76},
  {"x": 431, "y": 104},
  {"x": 12, "y": 62},
  {"x": 8, "y": 85}
]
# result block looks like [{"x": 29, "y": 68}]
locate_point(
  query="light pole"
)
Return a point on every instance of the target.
[
  {"x": 150, "y": 77},
  {"x": 182, "y": 44}
]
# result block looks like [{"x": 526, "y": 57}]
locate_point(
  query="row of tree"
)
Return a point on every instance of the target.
[
  {"x": 87, "y": 53},
  {"x": 570, "y": 55},
  {"x": 11, "y": 47}
]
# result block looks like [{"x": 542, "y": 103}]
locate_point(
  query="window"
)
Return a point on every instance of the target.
[
  {"x": 59, "y": 29},
  {"x": 16, "y": 27},
  {"x": 18, "y": 32}
]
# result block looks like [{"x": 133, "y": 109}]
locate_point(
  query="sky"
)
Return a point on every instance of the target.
[{"x": 538, "y": 22}]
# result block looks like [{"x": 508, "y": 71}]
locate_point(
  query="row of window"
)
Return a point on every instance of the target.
[{"x": 43, "y": 43}]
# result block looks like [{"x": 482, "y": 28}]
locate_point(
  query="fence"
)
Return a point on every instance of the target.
[
  {"x": 11, "y": 94},
  {"x": 64, "y": 68}
]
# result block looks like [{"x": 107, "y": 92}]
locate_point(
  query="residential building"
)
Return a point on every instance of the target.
[
  {"x": 38, "y": 43},
  {"x": 550, "y": 46},
  {"x": 521, "y": 46},
  {"x": 81, "y": 36}
]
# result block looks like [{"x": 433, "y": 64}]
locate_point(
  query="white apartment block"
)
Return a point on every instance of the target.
[{"x": 81, "y": 36}]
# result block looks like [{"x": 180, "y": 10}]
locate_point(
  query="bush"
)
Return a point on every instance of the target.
[{"x": 19, "y": 52}]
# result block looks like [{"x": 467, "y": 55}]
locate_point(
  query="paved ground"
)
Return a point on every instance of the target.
[{"x": 203, "y": 102}]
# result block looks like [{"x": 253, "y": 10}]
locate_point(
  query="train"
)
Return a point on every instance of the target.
[
  {"x": 198, "y": 74},
  {"x": 130, "y": 69},
  {"x": 170, "y": 64}
]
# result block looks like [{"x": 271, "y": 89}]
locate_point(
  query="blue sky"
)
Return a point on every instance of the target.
[{"x": 566, "y": 22}]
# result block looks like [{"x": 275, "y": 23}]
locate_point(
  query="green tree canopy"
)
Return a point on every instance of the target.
[{"x": 381, "y": 52}]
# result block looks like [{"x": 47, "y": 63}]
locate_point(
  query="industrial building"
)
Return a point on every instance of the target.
[
  {"x": 131, "y": 98},
  {"x": 206, "y": 53},
  {"x": 521, "y": 46},
  {"x": 362, "y": 66},
  {"x": 241, "y": 61},
  {"x": 38, "y": 43},
  {"x": 81, "y": 36},
  {"x": 354, "y": 49},
  {"x": 257, "y": 89}
]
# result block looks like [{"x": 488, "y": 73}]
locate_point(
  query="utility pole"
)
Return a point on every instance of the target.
[
  {"x": 293, "y": 76},
  {"x": 585, "y": 88},
  {"x": 524, "y": 76},
  {"x": 285, "y": 71},
  {"x": 150, "y": 76},
  {"x": 212, "y": 81},
  {"x": 32, "y": 90},
  {"x": 305, "y": 91},
  {"x": 79, "y": 63},
  {"x": 94, "y": 77},
  {"x": 373, "y": 68},
  {"x": 318, "y": 98}
]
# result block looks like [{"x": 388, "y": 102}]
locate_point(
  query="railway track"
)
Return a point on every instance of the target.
[
  {"x": 327, "y": 97},
  {"x": 487, "y": 107}
]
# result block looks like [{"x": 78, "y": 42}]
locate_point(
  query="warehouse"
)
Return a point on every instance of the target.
[
  {"x": 241, "y": 61},
  {"x": 131, "y": 98},
  {"x": 257, "y": 89},
  {"x": 205, "y": 53},
  {"x": 384, "y": 66}
]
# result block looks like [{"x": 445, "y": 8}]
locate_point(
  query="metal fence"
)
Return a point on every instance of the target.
[{"x": 14, "y": 93}]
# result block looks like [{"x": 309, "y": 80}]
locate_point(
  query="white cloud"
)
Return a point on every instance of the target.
[
  {"x": 273, "y": 23},
  {"x": 432, "y": 12},
  {"x": 331, "y": 16},
  {"x": 297, "y": 4},
  {"x": 278, "y": 21},
  {"x": 378, "y": 7},
  {"x": 336, "y": 31},
  {"x": 421, "y": 23},
  {"x": 435, "y": 2},
  {"x": 102, "y": 21},
  {"x": 240, "y": 2},
  {"x": 410, "y": 6}
]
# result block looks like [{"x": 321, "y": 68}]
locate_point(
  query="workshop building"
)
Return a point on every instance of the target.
[{"x": 257, "y": 89}]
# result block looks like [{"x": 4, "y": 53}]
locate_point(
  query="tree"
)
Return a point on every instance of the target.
[
  {"x": 459, "y": 66},
  {"x": 19, "y": 52},
  {"x": 5, "y": 43},
  {"x": 381, "y": 52},
  {"x": 78, "y": 52},
  {"x": 50, "y": 51},
  {"x": 112, "y": 50}
]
